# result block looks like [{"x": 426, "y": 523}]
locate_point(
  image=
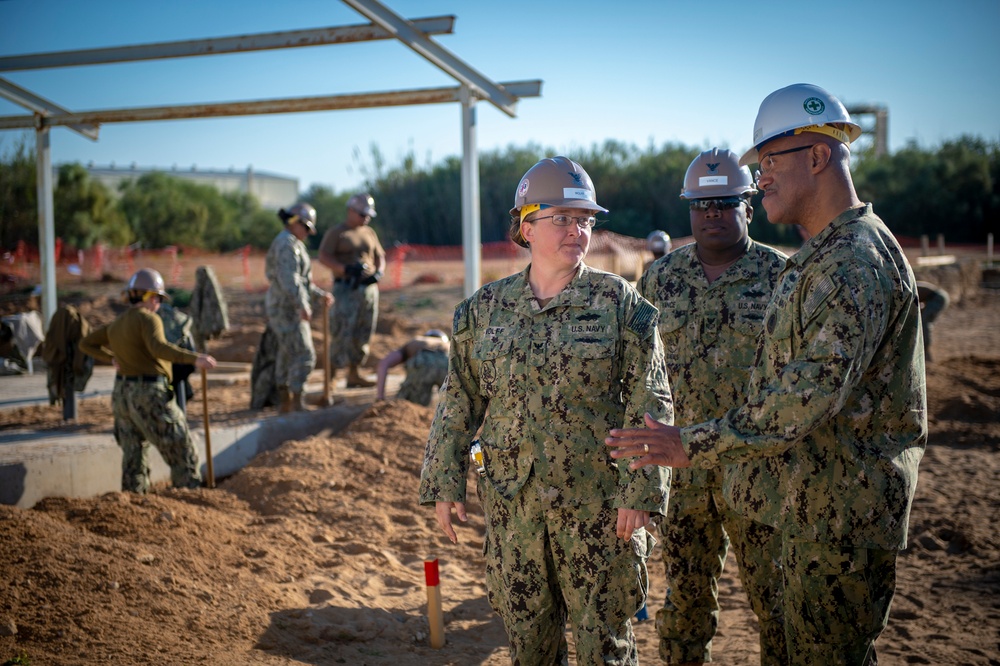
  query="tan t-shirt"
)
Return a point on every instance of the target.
[
  {"x": 351, "y": 246},
  {"x": 135, "y": 340}
]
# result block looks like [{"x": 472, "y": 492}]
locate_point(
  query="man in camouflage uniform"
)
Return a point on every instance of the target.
[
  {"x": 838, "y": 388},
  {"x": 544, "y": 367},
  {"x": 711, "y": 295},
  {"x": 353, "y": 252},
  {"x": 143, "y": 400},
  {"x": 289, "y": 304},
  {"x": 426, "y": 359}
]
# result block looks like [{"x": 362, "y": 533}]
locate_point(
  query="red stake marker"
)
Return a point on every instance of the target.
[{"x": 434, "y": 615}]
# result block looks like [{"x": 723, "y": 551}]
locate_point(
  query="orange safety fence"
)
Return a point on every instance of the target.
[{"x": 243, "y": 268}]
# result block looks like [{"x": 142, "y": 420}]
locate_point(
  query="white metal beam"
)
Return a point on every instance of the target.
[
  {"x": 46, "y": 223},
  {"x": 40, "y": 105},
  {"x": 237, "y": 44},
  {"x": 471, "y": 222},
  {"x": 439, "y": 56},
  {"x": 259, "y": 107}
]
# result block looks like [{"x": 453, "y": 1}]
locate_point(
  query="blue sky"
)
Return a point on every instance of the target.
[{"x": 641, "y": 72}]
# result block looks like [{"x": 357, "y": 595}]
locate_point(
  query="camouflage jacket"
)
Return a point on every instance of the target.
[
  {"x": 547, "y": 384},
  {"x": 839, "y": 385},
  {"x": 710, "y": 334},
  {"x": 289, "y": 273}
]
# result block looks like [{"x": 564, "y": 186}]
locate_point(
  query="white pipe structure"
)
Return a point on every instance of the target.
[{"x": 385, "y": 25}]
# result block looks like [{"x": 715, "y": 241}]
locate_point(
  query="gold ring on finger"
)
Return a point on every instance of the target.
[{"x": 645, "y": 448}]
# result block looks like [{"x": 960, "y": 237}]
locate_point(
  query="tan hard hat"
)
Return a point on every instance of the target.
[
  {"x": 148, "y": 280},
  {"x": 717, "y": 173},
  {"x": 362, "y": 203},
  {"x": 552, "y": 182},
  {"x": 300, "y": 212}
]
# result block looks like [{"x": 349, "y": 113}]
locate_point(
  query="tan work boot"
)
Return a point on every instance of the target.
[
  {"x": 285, "y": 404},
  {"x": 355, "y": 380},
  {"x": 297, "y": 402}
]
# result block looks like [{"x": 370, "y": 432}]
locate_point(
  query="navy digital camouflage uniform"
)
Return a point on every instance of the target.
[
  {"x": 289, "y": 274},
  {"x": 839, "y": 388},
  {"x": 425, "y": 369},
  {"x": 547, "y": 384},
  {"x": 709, "y": 333}
]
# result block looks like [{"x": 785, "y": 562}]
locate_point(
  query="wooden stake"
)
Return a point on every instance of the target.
[
  {"x": 326, "y": 401},
  {"x": 208, "y": 432},
  {"x": 435, "y": 617}
]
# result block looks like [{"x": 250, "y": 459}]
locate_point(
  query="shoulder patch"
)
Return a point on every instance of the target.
[
  {"x": 461, "y": 321},
  {"x": 643, "y": 319},
  {"x": 818, "y": 295}
]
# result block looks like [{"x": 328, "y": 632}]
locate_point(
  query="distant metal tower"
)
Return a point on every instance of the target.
[{"x": 874, "y": 122}]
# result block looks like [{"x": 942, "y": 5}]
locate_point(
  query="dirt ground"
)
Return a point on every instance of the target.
[{"x": 313, "y": 554}]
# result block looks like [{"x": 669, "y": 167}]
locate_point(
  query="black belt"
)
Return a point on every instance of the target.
[
  {"x": 146, "y": 379},
  {"x": 341, "y": 280}
]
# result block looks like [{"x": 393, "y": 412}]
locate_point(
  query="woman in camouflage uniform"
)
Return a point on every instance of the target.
[
  {"x": 289, "y": 304},
  {"x": 143, "y": 399},
  {"x": 545, "y": 362}
]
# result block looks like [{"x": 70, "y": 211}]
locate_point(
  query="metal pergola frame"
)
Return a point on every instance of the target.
[{"x": 385, "y": 24}]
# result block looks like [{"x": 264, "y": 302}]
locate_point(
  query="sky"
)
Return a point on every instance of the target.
[{"x": 641, "y": 72}]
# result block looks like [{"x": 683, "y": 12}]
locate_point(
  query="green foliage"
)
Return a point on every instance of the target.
[
  {"x": 85, "y": 212},
  {"x": 18, "y": 195},
  {"x": 952, "y": 189},
  {"x": 163, "y": 211},
  {"x": 21, "y": 659}
]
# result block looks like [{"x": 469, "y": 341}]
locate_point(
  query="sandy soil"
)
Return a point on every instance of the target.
[{"x": 314, "y": 553}]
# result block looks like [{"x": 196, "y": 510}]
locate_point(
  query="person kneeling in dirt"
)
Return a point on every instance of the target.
[
  {"x": 289, "y": 304},
  {"x": 426, "y": 359},
  {"x": 143, "y": 398}
]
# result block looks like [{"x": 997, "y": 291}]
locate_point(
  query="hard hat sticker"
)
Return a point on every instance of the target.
[
  {"x": 522, "y": 189},
  {"x": 577, "y": 193},
  {"x": 713, "y": 180},
  {"x": 814, "y": 106}
]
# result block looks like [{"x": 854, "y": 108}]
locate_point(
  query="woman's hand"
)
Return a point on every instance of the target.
[{"x": 443, "y": 512}]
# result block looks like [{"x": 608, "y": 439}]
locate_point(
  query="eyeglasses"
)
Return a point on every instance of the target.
[
  {"x": 720, "y": 204},
  {"x": 566, "y": 220},
  {"x": 767, "y": 161}
]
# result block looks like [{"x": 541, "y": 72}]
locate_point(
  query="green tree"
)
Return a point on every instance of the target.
[
  {"x": 18, "y": 195},
  {"x": 85, "y": 212},
  {"x": 162, "y": 210}
]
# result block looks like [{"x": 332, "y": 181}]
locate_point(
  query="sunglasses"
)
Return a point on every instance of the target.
[{"x": 724, "y": 203}]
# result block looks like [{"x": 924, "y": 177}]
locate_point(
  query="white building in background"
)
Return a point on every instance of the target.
[{"x": 271, "y": 190}]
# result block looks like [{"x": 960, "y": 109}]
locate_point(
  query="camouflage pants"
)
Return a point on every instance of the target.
[
  {"x": 296, "y": 356},
  {"x": 146, "y": 412},
  {"x": 424, "y": 371},
  {"x": 352, "y": 322},
  {"x": 545, "y": 565},
  {"x": 697, "y": 533},
  {"x": 836, "y": 602}
]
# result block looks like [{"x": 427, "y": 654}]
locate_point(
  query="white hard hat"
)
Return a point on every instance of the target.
[
  {"x": 658, "y": 242},
  {"x": 801, "y": 107}
]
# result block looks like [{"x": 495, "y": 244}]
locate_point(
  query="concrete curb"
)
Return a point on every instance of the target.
[{"x": 36, "y": 465}]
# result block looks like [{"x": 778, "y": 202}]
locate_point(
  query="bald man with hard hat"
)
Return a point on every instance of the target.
[{"x": 838, "y": 390}]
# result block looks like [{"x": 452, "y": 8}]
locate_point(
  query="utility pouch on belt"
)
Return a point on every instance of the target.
[{"x": 476, "y": 454}]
